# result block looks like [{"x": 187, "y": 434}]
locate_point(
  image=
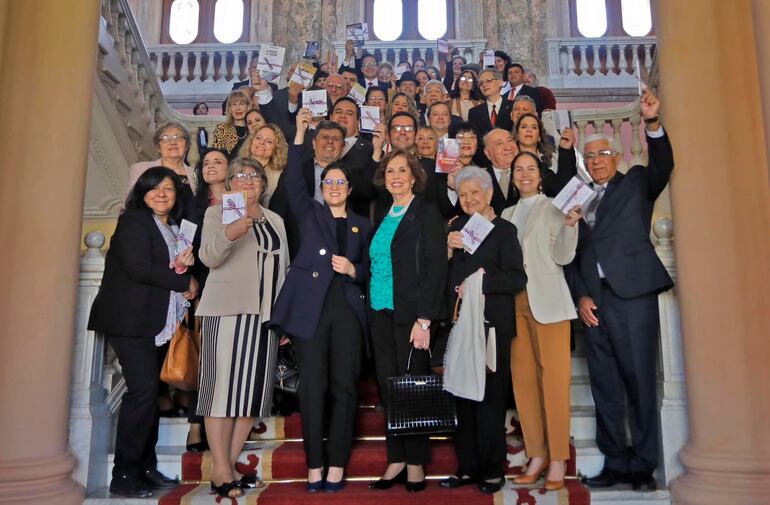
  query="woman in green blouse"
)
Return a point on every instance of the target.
[{"x": 408, "y": 274}]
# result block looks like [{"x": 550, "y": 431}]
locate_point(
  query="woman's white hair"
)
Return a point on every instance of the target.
[{"x": 474, "y": 173}]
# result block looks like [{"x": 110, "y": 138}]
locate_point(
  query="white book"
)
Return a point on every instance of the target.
[
  {"x": 303, "y": 75},
  {"x": 270, "y": 62},
  {"x": 315, "y": 100},
  {"x": 576, "y": 192},
  {"x": 186, "y": 235},
  {"x": 475, "y": 231},
  {"x": 489, "y": 58},
  {"x": 358, "y": 93},
  {"x": 233, "y": 207},
  {"x": 370, "y": 118}
]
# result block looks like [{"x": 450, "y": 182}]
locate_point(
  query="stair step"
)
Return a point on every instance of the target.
[{"x": 583, "y": 423}]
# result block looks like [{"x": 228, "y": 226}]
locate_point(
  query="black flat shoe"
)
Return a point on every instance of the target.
[
  {"x": 129, "y": 486},
  {"x": 643, "y": 482},
  {"x": 415, "y": 487},
  {"x": 333, "y": 487},
  {"x": 491, "y": 487},
  {"x": 388, "y": 483},
  {"x": 157, "y": 480},
  {"x": 455, "y": 482},
  {"x": 607, "y": 478},
  {"x": 316, "y": 486},
  {"x": 225, "y": 489}
]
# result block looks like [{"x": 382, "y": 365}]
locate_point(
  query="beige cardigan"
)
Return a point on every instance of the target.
[
  {"x": 233, "y": 284},
  {"x": 547, "y": 244}
]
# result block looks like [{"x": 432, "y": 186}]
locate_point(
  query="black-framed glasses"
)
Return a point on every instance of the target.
[{"x": 245, "y": 176}]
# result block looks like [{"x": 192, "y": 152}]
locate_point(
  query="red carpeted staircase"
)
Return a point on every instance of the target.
[{"x": 275, "y": 453}]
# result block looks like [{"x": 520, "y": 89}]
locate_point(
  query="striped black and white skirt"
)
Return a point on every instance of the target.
[{"x": 238, "y": 355}]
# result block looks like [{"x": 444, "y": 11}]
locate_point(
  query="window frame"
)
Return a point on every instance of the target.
[
  {"x": 205, "y": 24},
  {"x": 410, "y": 26}
]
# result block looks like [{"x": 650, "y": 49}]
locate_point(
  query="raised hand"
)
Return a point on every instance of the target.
[{"x": 567, "y": 140}]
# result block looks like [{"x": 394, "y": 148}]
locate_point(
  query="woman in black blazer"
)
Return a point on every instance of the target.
[
  {"x": 480, "y": 437},
  {"x": 408, "y": 273},
  {"x": 142, "y": 298},
  {"x": 326, "y": 286}
]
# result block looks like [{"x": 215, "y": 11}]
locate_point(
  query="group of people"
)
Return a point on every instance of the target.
[{"x": 351, "y": 244}]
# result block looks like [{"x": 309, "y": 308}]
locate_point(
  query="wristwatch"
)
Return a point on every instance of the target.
[{"x": 651, "y": 120}]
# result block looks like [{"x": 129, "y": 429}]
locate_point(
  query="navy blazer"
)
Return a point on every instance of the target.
[
  {"x": 297, "y": 309},
  {"x": 620, "y": 239},
  {"x": 134, "y": 296}
]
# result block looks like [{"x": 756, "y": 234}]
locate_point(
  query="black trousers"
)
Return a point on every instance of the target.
[
  {"x": 391, "y": 346},
  {"x": 330, "y": 363},
  {"x": 622, "y": 356},
  {"x": 137, "y": 431},
  {"x": 480, "y": 437}
]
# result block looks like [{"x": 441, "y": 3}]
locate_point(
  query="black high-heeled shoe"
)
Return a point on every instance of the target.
[
  {"x": 201, "y": 446},
  {"x": 225, "y": 489},
  {"x": 388, "y": 483},
  {"x": 415, "y": 487}
]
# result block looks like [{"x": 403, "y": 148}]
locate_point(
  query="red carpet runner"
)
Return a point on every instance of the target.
[{"x": 276, "y": 454}]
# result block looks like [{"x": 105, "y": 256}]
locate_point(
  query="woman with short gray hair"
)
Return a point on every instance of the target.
[
  {"x": 480, "y": 439},
  {"x": 172, "y": 140}
]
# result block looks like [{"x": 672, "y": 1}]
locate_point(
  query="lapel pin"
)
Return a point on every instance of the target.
[{"x": 354, "y": 229}]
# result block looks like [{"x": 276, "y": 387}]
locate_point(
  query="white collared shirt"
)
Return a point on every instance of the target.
[{"x": 498, "y": 104}]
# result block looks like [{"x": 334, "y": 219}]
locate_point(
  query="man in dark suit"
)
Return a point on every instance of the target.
[
  {"x": 616, "y": 278},
  {"x": 515, "y": 75},
  {"x": 495, "y": 112},
  {"x": 366, "y": 68}
]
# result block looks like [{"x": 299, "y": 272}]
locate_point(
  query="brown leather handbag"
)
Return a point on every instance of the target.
[{"x": 180, "y": 368}]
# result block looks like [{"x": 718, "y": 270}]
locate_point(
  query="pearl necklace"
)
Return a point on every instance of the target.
[{"x": 397, "y": 213}]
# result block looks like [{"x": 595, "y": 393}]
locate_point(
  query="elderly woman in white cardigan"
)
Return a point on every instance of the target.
[{"x": 540, "y": 355}]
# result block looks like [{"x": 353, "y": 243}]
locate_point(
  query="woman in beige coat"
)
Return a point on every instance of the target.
[
  {"x": 247, "y": 262},
  {"x": 540, "y": 355}
]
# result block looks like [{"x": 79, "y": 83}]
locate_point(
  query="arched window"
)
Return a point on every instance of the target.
[
  {"x": 637, "y": 17},
  {"x": 410, "y": 19},
  {"x": 591, "y": 17},
  {"x": 205, "y": 21},
  {"x": 611, "y": 18},
  {"x": 431, "y": 18},
  {"x": 183, "y": 21},
  {"x": 228, "y": 20},
  {"x": 388, "y": 19}
]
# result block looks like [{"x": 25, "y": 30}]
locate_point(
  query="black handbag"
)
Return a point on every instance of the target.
[
  {"x": 418, "y": 405},
  {"x": 286, "y": 375}
]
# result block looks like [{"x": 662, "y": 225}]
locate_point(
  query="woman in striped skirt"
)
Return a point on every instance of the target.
[{"x": 247, "y": 259}]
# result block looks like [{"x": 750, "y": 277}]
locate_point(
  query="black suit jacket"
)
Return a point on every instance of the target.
[
  {"x": 620, "y": 239},
  {"x": 418, "y": 253},
  {"x": 279, "y": 203},
  {"x": 501, "y": 257},
  {"x": 360, "y": 74},
  {"x": 479, "y": 117},
  {"x": 311, "y": 273},
  {"x": 530, "y": 92},
  {"x": 276, "y": 111},
  {"x": 134, "y": 296}
]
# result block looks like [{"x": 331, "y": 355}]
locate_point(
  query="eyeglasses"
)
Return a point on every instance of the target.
[
  {"x": 376, "y": 99},
  {"x": 402, "y": 128},
  {"x": 369, "y": 65},
  {"x": 171, "y": 138},
  {"x": 334, "y": 86},
  {"x": 603, "y": 154},
  {"x": 465, "y": 136},
  {"x": 487, "y": 81},
  {"x": 467, "y": 79},
  {"x": 334, "y": 182},
  {"x": 244, "y": 176}
]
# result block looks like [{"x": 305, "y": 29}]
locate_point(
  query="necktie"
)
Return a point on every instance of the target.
[
  {"x": 590, "y": 213},
  {"x": 512, "y": 95},
  {"x": 505, "y": 181},
  {"x": 493, "y": 116},
  {"x": 369, "y": 84}
]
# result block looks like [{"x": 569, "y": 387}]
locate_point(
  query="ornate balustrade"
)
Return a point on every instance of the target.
[
  {"x": 409, "y": 50},
  {"x": 607, "y": 62}
]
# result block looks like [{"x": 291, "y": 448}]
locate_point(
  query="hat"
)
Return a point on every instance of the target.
[
  {"x": 408, "y": 76},
  {"x": 473, "y": 67}
]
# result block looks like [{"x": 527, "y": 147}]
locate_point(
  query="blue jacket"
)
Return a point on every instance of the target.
[{"x": 298, "y": 308}]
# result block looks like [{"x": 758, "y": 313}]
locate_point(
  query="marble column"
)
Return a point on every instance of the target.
[
  {"x": 721, "y": 209},
  {"x": 48, "y": 58}
]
